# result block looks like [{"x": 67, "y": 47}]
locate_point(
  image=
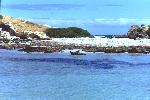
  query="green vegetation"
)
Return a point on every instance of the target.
[{"x": 70, "y": 32}]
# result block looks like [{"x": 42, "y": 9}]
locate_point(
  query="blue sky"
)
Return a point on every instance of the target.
[{"x": 97, "y": 16}]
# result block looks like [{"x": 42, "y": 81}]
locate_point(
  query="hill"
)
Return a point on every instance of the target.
[
  {"x": 24, "y": 29},
  {"x": 71, "y": 32}
]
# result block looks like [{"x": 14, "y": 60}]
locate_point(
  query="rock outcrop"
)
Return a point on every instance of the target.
[
  {"x": 7, "y": 28},
  {"x": 20, "y": 25},
  {"x": 136, "y": 31},
  {"x": 22, "y": 28},
  {"x": 6, "y": 32}
]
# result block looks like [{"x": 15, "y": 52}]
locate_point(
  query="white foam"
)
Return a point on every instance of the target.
[{"x": 103, "y": 42}]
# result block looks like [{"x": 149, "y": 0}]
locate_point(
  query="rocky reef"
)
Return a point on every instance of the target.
[{"x": 94, "y": 49}]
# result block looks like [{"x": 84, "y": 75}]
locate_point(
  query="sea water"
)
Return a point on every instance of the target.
[{"x": 61, "y": 76}]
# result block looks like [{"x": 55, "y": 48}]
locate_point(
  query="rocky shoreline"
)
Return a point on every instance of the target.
[
  {"x": 131, "y": 49},
  {"x": 50, "y": 46},
  {"x": 31, "y": 37}
]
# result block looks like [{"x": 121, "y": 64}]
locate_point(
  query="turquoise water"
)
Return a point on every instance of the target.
[{"x": 60, "y": 76}]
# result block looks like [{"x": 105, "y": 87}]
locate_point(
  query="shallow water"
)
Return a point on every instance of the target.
[{"x": 60, "y": 76}]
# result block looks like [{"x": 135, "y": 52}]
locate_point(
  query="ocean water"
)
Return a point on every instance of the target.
[{"x": 60, "y": 76}]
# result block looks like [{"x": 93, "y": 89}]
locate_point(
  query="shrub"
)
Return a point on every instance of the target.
[{"x": 70, "y": 32}]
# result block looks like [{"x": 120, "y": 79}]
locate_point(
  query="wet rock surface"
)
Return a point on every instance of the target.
[{"x": 58, "y": 48}]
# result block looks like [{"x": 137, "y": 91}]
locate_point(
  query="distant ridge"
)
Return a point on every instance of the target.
[{"x": 112, "y": 36}]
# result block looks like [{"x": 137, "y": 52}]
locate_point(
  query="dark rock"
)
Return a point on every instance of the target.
[
  {"x": 7, "y": 28},
  {"x": 138, "y": 32},
  {"x": 41, "y": 49},
  {"x": 76, "y": 53}
]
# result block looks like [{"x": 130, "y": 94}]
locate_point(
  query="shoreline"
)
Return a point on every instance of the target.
[
  {"x": 31, "y": 37},
  {"x": 97, "y": 44}
]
